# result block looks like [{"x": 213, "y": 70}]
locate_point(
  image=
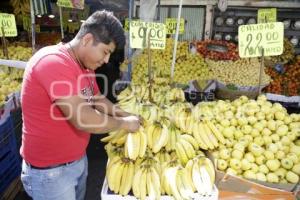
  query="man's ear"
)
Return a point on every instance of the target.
[{"x": 87, "y": 39}]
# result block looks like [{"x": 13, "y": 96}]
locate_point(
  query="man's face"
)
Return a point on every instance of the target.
[{"x": 96, "y": 55}]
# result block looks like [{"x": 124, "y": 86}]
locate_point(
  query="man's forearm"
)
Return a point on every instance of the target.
[{"x": 104, "y": 105}]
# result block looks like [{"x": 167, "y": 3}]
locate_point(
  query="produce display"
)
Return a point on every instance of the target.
[
  {"x": 286, "y": 83},
  {"x": 287, "y": 55},
  {"x": 188, "y": 66},
  {"x": 242, "y": 72},
  {"x": 20, "y": 7},
  {"x": 17, "y": 52},
  {"x": 8, "y": 84},
  {"x": 231, "y": 53},
  {"x": 163, "y": 157},
  {"x": 261, "y": 139}
]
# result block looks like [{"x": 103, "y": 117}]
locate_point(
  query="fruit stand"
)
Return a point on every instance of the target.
[{"x": 244, "y": 142}]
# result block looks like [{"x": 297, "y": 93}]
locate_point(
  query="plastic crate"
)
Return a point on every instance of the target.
[
  {"x": 106, "y": 194},
  {"x": 7, "y": 137}
]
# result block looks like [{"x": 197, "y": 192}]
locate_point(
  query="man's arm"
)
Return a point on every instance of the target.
[
  {"x": 81, "y": 115},
  {"x": 104, "y": 105}
]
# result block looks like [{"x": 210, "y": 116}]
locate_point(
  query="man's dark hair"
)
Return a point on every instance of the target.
[{"x": 104, "y": 27}]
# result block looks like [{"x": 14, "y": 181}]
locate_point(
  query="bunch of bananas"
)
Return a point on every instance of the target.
[
  {"x": 186, "y": 148},
  {"x": 20, "y": 7},
  {"x": 157, "y": 136},
  {"x": 136, "y": 144},
  {"x": 182, "y": 182}
]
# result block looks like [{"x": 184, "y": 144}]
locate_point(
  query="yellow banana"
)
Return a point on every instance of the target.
[
  {"x": 184, "y": 187},
  {"x": 197, "y": 179},
  {"x": 216, "y": 132},
  {"x": 118, "y": 176},
  {"x": 197, "y": 136},
  {"x": 143, "y": 144},
  {"x": 149, "y": 132},
  {"x": 181, "y": 154},
  {"x": 143, "y": 185},
  {"x": 204, "y": 136},
  {"x": 156, "y": 182},
  {"x": 191, "y": 140},
  {"x": 188, "y": 148},
  {"x": 124, "y": 179},
  {"x": 137, "y": 182},
  {"x": 208, "y": 185},
  {"x": 150, "y": 186},
  {"x": 171, "y": 174},
  {"x": 189, "y": 169},
  {"x": 210, "y": 135},
  {"x": 162, "y": 140}
]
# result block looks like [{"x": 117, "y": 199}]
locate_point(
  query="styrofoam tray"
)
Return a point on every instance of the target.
[{"x": 107, "y": 195}]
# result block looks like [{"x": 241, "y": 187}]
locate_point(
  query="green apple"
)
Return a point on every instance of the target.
[
  {"x": 264, "y": 123},
  {"x": 229, "y": 142},
  {"x": 272, "y": 178},
  {"x": 229, "y": 114},
  {"x": 239, "y": 146},
  {"x": 249, "y": 156},
  {"x": 259, "y": 126},
  {"x": 282, "y": 130},
  {"x": 260, "y": 116},
  {"x": 231, "y": 171},
  {"x": 243, "y": 141},
  {"x": 228, "y": 132},
  {"x": 295, "y": 149},
  {"x": 246, "y": 129},
  {"x": 294, "y": 117},
  {"x": 245, "y": 164},
  {"x": 279, "y": 123},
  {"x": 285, "y": 140},
  {"x": 224, "y": 154},
  {"x": 287, "y": 163},
  {"x": 283, "y": 181},
  {"x": 260, "y": 160},
  {"x": 293, "y": 157},
  {"x": 242, "y": 121},
  {"x": 237, "y": 154},
  {"x": 243, "y": 99},
  {"x": 280, "y": 154},
  {"x": 279, "y": 115},
  {"x": 271, "y": 125},
  {"x": 233, "y": 122},
  {"x": 222, "y": 164},
  {"x": 248, "y": 138},
  {"x": 296, "y": 168},
  {"x": 273, "y": 164},
  {"x": 267, "y": 140},
  {"x": 255, "y": 132},
  {"x": 225, "y": 123},
  {"x": 238, "y": 134},
  {"x": 259, "y": 140},
  {"x": 235, "y": 163},
  {"x": 266, "y": 132},
  {"x": 265, "y": 109},
  {"x": 297, "y": 142},
  {"x": 292, "y": 135},
  {"x": 270, "y": 116},
  {"x": 249, "y": 174},
  {"x": 254, "y": 167},
  {"x": 269, "y": 155},
  {"x": 286, "y": 149},
  {"x": 252, "y": 120},
  {"x": 287, "y": 119},
  {"x": 281, "y": 172},
  {"x": 275, "y": 137},
  {"x": 292, "y": 177},
  {"x": 263, "y": 169},
  {"x": 255, "y": 149},
  {"x": 261, "y": 177},
  {"x": 272, "y": 147},
  {"x": 262, "y": 98}
]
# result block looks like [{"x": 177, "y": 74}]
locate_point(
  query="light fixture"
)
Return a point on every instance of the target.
[
  {"x": 82, "y": 20},
  {"x": 39, "y": 16},
  {"x": 70, "y": 20},
  {"x": 51, "y": 16}
]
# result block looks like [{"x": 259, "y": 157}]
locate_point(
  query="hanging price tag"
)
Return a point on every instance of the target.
[
  {"x": 78, "y": 4},
  {"x": 171, "y": 24},
  {"x": 139, "y": 32},
  {"x": 8, "y": 22},
  {"x": 256, "y": 36},
  {"x": 267, "y": 15}
]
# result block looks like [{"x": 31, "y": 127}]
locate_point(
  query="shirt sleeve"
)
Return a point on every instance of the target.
[{"x": 57, "y": 75}]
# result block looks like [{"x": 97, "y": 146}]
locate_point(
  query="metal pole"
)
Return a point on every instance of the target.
[
  {"x": 61, "y": 22},
  {"x": 176, "y": 39},
  {"x": 5, "y": 51},
  {"x": 32, "y": 25},
  {"x": 262, "y": 64},
  {"x": 129, "y": 54}
]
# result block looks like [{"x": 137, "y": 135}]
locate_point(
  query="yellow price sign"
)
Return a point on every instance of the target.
[
  {"x": 139, "y": 32},
  {"x": 78, "y": 4},
  {"x": 26, "y": 23},
  {"x": 266, "y": 15},
  {"x": 126, "y": 24},
  {"x": 8, "y": 22},
  {"x": 254, "y": 37},
  {"x": 171, "y": 24}
]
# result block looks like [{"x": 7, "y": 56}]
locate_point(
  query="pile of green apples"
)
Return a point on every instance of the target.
[{"x": 262, "y": 141}]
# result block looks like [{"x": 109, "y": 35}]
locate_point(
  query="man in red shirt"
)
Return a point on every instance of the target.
[{"x": 62, "y": 105}]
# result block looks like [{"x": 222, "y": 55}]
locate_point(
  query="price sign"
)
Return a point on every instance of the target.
[
  {"x": 171, "y": 24},
  {"x": 26, "y": 23},
  {"x": 8, "y": 22},
  {"x": 139, "y": 32},
  {"x": 126, "y": 24},
  {"x": 266, "y": 15},
  {"x": 256, "y": 36},
  {"x": 78, "y": 4}
]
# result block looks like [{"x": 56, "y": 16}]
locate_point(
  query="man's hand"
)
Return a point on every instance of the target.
[{"x": 131, "y": 123}]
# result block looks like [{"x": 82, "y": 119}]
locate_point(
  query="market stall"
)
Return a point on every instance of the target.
[{"x": 217, "y": 84}]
